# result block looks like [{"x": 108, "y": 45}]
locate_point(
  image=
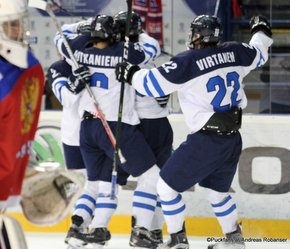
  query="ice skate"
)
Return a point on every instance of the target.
[
  {"x": 141, "y": 237},
  {"x": 233, "y": 240},
  {"x": 158, "y": 235},
  {"x": 177, "y": 241},
  {"x": 98, "y": 238},
  {"x": 74, "y": 237}
]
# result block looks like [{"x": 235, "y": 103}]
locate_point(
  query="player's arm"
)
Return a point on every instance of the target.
[
  {"x": 136, "y": 54},
  {"x": 150, "y": 46},
  {"x": 157, "y": 82},
  {"x": 152, "y": 50},
  {"x": 261, "y": 40},
  {"x": 76, "y": 34},
  {"x": 65, "y": 83},
  {"x": 255, "y": 54}
]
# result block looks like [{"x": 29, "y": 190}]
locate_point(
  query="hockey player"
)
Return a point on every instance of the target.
[
  {"x": 67, "y": 86},
  {"x": 154, "y": 124},
  {"x": 208, "y": 78},
  {"x": 22, "y": 82},
  {"x": 96, "y": 148}
]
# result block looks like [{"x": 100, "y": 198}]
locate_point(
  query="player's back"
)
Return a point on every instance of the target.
[
  {"x": 211, "y": 79},
  {"x": 104, "y": 85}
]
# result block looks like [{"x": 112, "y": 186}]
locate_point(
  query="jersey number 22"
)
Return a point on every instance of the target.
[{"x": 232, "y": 80}]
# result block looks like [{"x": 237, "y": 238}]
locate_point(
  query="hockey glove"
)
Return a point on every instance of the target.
[
  {"x": 260, "y": 23},
  {"x": 85, "y": 27},
  {"x": 79, "y": 79},
  {"x": 125, "y": 71},
  {"x": 162, "y": 101}
]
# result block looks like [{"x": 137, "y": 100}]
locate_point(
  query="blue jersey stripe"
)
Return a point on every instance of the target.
[
  {"x": 261, "y": 59},
  {"x": 145, "y": 84},
  {"x": 152, "y": 47},
  {"x": 58, "y": 88},
  {"x": 156, "y": 84}
]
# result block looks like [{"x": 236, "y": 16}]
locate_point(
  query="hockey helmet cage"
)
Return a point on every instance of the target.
[
  {"x": 102, "y": 27},
  {"x": 208, "y": 28},
  {"x": 120, "y": 20},
  {"x": 14, "y": 32}
]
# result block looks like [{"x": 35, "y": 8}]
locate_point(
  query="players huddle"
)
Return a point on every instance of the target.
[
  {"x": 208, "y": 78},
  {"x": 146, "y": 134}
]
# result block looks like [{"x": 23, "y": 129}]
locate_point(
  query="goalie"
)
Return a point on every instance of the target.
[
  {"x": 47, "y": 196},
  {"x": 22, "y": 82}
]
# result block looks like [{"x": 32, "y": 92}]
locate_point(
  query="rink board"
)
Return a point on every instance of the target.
[
  {"x": 196, "y": 226},
  {"x": 261, "y": 186}
]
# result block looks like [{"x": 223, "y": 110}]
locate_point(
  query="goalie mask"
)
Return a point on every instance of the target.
[
  {"x": 48, "y": 197},
  {"x": 205, "y": 30},
  {"x": 14, "y": 32}
]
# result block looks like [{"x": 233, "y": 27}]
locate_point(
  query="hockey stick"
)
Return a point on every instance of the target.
[
  {"x": 121, "y": 100},
  {"x": 217, "y": 6},
  {"x": 166, "y": 53},
  {"x": 47, "y": 6}
]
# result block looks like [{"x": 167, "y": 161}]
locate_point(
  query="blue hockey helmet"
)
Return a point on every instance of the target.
[{"x": 206, "y": 30}]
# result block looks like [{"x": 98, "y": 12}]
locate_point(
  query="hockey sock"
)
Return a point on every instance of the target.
[
  {"x": 85, "y": 205},
  {"x": 158, "y": 218},
  {"x": 225, "y": 210},
  {"x": 173, "y": 207},
  {"x": 105, "y": 206},
  {"x": 145, "y": 197}
]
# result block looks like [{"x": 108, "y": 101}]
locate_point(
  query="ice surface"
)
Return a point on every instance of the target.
[{"x": 55, "y": 241}]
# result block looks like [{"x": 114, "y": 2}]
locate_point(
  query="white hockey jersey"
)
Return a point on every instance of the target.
[
  {"x": 208, "y": 80},
  {"x": 104, "y": 85},
  {"x": 57, "y": 75},
  {"x": 148, "y": 107}
]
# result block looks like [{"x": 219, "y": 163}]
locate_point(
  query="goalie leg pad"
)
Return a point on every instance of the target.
[
  {"x": 11, "y": 234},
  {"x": 48, "y": 197}
]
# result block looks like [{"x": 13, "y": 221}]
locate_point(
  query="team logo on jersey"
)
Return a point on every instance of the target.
[{"x": 29, "y": 99}]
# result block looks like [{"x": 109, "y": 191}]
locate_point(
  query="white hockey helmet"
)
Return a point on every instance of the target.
[{"x": 14, "y": 31}]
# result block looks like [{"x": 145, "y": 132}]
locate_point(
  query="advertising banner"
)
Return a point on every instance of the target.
[
  {"x": 261, "y": 184},
  {"x": 78, "y": 7}
]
